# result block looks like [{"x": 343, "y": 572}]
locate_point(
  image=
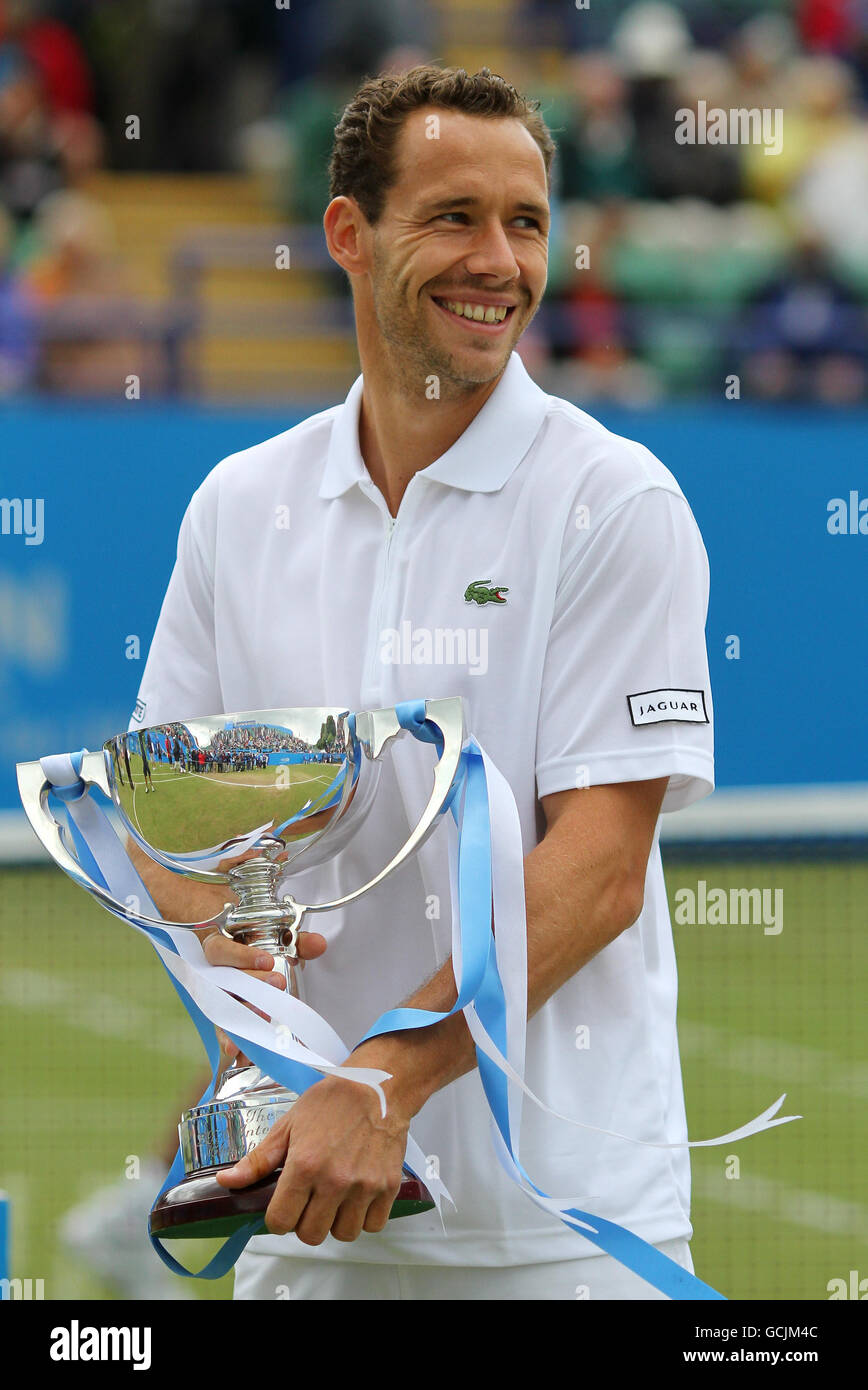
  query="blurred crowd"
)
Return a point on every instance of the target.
[{"x": 676, "y": 267}]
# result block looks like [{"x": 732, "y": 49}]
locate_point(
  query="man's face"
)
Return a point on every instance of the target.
[{"x": 460, "y": 252}]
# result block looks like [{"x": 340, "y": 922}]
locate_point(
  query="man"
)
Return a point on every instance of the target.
[
  {"x": 126, "y": 752},
  {"x": 581, "y": 659},
  {"x": 146, "y": 764}
]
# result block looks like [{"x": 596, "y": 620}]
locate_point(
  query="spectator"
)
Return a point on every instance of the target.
[
  {"x": 88, "y": 322},
  {"x": 832, "y": 198},
  {"x": 30, "y": 160},
  {"x": 54, "y": 53},
  {"x": 828, "y": 26},
  {"x": 805, "y": 336},
  {"x": 762, "y": 51},
  {"x": 598, "y": 149},
  {"x": 75, "y": 251},
  {"x": 700, "y": 170},
  {"x": 18, "y": 346},
  {"x": 654, "y": 47},
  {"x": 819, "y": 108}
]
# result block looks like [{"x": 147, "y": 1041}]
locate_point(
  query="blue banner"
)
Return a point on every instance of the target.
[{"x": 91, "y": 498}]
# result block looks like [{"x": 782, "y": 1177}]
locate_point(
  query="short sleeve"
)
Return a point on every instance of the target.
[
  {"x": 181, "y": 678},
  {"x": 625, "y": 693}
]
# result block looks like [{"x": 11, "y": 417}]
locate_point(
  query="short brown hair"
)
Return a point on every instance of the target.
[{"x": 362, "y": 164}]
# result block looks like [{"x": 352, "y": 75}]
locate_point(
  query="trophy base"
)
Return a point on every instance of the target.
[
  {"x": 213, "y": 1137},
  {"x": 199, "y": 1208}
]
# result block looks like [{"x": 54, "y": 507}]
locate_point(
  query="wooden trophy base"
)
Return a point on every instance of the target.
[{"x": 199, "y": 1208}]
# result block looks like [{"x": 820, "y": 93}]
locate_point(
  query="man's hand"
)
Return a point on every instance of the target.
[
  {"x": 342, "y": 1163},
  {"x": 259, "y": 965},
  {"x": 255, "y": 960},
  {"x": 584, "y": 885}
]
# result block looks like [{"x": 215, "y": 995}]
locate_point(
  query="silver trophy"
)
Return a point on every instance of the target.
[{"x": 246, "y": 800}]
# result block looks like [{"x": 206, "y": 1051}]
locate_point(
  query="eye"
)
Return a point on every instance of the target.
[
  {"x": 462, "y": 216},
  {"x": 531, "y": 221}
]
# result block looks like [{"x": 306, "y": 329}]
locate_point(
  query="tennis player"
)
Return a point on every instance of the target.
[{"x": 457, "y": 531}]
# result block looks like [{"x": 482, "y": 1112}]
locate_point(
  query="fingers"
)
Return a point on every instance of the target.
[
  {"x": 313, "y": 1207},
  {"x": 313, "y": 1223},
  {"x": 341, "y": 1212},
  {"x": 224, "y": 950},
  {"x": 258, "y": 963},
  {"x": 378, "y": 1212},
  {"x": 310, "y": 945},
  {"x": 228, "y": 1049},
  {"x": 261, "y": 1161},
  {"x": 366, "y": 1209}
]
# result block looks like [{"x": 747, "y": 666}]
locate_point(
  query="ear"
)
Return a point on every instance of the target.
[{"x": 345, "y": 227}]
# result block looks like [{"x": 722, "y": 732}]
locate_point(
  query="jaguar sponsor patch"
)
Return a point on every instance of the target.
[{"x": 668, "y": 707}]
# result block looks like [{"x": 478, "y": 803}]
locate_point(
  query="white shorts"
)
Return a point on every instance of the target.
[{"x": 597, "y": 1277}]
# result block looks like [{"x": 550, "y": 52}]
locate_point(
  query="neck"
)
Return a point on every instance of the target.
[{"x": 401, "y": 433}]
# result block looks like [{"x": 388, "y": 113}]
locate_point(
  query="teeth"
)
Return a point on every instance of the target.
[{"x": 479, "y": 313}]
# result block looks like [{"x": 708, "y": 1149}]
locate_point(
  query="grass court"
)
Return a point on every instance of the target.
[{"x": 99, "y": 1059}]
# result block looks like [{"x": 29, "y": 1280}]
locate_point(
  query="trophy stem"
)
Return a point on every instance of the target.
[
  {"x": 255, "y": 882},
  {"x": 259, "y": 919}
]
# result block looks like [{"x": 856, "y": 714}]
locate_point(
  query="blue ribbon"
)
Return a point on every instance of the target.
[
  {"x": 225, "y": 1257},
  {"x": 333, "y": 793},
  {"x": 480, "y": 985}
]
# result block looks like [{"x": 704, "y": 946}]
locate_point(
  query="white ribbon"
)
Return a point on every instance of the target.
[{"x": 293, "y": 1029}]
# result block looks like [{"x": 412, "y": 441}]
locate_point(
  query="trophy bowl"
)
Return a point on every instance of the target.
[{"x": 245, "y": 800}]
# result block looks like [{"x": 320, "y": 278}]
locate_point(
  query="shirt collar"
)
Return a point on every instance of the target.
[{"x": 480, "y": 460}]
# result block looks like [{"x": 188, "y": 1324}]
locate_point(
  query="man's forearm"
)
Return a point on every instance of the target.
[
  {"x": 177, "y": 898},
  {"x": 582, "y": 889},
  {"x": 560, "y": 940}
]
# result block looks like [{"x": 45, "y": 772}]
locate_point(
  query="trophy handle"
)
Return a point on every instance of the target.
[
  {"x": 34, "y": 788},
  {"x": 374, "y": 730}
]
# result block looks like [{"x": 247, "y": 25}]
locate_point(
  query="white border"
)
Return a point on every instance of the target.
[
  {"x": 836, "y": 811},
  {"x": 18, "y": 843}
]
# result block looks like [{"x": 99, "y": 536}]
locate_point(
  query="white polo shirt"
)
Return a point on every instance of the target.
[{"x": 592, "y": 670}]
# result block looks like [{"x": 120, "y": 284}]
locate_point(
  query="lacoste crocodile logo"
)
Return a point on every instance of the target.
[{"x": 480, "y": 591}]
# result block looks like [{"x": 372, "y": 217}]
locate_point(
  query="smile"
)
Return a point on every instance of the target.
[{"x": 488, "y": 318}]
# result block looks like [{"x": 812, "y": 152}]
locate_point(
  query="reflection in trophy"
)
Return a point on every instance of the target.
[{"x": 246, "y": 800}]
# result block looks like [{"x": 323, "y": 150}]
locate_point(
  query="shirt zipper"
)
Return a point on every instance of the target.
[{"x": 374, "y": 676}]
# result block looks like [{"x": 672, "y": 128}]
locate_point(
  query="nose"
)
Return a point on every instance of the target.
[{"x": 492, "y": 253}]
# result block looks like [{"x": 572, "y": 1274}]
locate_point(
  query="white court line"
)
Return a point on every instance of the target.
[
  {"x": 255, "y": 786},
  {"x": 104, "y": 1015},
  {"x": 261, "y": 786},
  {"x": 787, "y": 1064},
  {"x": 797, "y": 1206}
]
